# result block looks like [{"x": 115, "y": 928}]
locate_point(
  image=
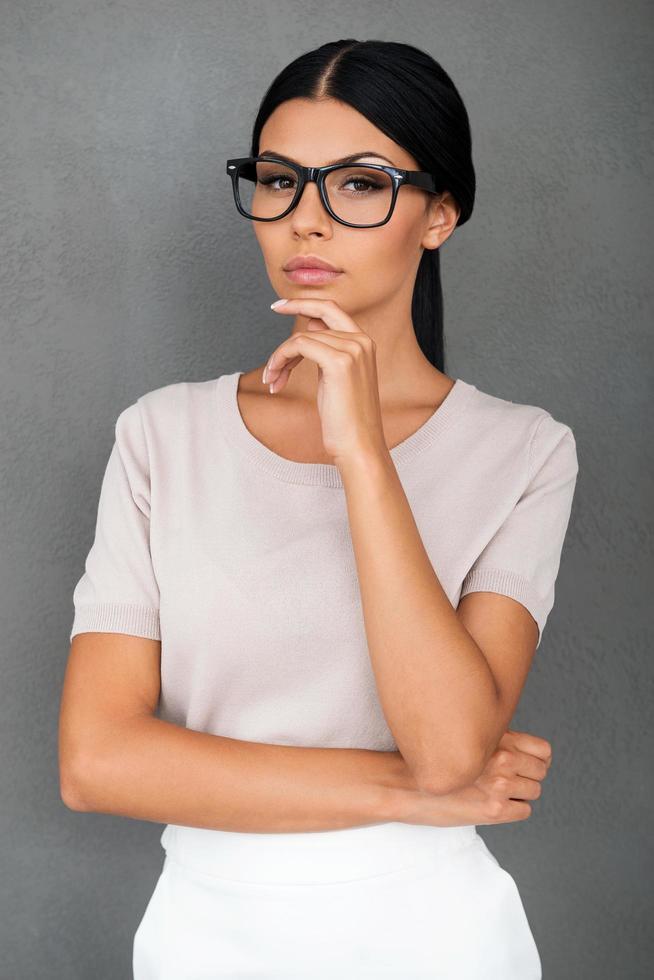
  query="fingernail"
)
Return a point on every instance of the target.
[{"x": 278, "y": 302}]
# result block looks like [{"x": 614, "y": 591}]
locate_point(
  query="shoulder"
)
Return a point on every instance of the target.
[
  {"x": 520, "y": 427},
  {"x": 166, "y": 403},
  {"x": 156, "y": 427},
  {"x": 161, "y": 410}
]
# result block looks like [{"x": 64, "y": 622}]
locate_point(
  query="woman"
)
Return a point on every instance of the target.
[{"x": 331, "y": 575}]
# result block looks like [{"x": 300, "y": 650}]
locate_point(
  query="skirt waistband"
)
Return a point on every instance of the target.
[{"x": 316, "y": 856}]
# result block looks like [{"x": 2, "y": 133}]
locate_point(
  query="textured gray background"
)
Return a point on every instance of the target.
[{"x": 126, "y": 267}]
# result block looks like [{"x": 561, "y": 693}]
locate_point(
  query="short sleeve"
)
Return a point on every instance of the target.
[
  {"x": 118, "y": 592},
  {"x": 522, "y": 558}
]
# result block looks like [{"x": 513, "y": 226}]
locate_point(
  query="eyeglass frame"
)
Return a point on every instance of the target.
[{"x": 415, "y": 178}]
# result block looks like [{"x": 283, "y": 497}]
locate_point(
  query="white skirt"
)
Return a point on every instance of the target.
[{"x": 386, "y": 900}]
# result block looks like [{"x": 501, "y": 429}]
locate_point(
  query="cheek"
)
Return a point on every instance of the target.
[
  {"x": 386, "y": 254},
  {"x": 272, "y": 248},
  {"x": 265, "y": 235}
]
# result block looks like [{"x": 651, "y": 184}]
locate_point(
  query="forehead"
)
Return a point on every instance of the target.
[{"x": 314, "y": 133}]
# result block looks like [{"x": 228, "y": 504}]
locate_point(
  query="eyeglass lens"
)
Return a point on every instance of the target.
[{"x": 356, "y": 193}]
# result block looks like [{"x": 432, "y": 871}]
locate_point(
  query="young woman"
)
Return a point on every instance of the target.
[{"x": 330, "y": 574}]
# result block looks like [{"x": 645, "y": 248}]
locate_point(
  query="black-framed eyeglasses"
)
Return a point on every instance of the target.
[{"x": 360, "y": 195}]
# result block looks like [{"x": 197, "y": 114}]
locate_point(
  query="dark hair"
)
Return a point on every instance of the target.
[{"x": 406, "y": 94}]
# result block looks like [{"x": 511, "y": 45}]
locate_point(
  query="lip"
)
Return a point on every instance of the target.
[
  {"x": 309, "y": 262},
  {"x": 310, "y": 276}
]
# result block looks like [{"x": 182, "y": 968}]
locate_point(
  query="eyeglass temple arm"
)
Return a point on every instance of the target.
[{"x": 420, "y": 178}]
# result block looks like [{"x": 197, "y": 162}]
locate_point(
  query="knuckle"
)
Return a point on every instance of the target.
[
  {"x": 494, "y": 809},
  {"x": 500, "y": 784}
]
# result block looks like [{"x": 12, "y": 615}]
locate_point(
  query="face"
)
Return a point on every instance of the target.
[{"x": 378, "y": 265}]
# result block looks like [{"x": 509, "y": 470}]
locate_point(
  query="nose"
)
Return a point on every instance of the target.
[{"x": 309, "y": 213}]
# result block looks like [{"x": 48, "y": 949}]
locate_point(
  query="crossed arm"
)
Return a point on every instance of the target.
[
  {"x": 448, "y": 680},
  {"x": 116, "y": 757}
]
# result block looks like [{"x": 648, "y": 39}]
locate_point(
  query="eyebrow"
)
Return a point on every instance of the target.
[{"x": 349, "y": 159}]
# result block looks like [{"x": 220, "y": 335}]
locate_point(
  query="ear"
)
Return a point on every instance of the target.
[{"x": 442, "y": 216}]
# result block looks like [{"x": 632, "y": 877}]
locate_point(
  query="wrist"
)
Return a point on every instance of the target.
[
  {"x": 371, "y": 463},
  {"x": 396, "y": 796},
  {"x": 395, "y": 805},
  {"x": 413, "y": 806}
]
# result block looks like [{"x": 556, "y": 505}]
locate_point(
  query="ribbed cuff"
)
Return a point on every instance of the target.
[
  {"x": 117, "y": 617},
  {"x": 508, "y": 583}
]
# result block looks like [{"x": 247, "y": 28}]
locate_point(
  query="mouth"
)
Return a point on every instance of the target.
[
  {"x": 310, "y": 270},
  {"x": 309, "y": 262}
]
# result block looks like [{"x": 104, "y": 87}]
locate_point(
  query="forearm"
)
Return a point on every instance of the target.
[
  {"x": 434, "y": 683},
  {"x": 166, "y": 773}
]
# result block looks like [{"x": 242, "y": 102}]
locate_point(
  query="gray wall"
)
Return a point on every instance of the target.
[{"x": 125, "y": 267}]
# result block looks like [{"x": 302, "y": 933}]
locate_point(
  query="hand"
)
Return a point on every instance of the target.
[
  {"x": 348, "y": 392},
  {"x": 501, "y": 794}
]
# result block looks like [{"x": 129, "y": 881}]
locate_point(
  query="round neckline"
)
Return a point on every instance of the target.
[{"x": 326, "y": 474}]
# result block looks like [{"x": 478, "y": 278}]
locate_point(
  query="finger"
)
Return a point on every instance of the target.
[
  {"x": 324, "y": 309},
  {"x": 315, "y": 347},
  {"x": 515, "y": 753},
  {"x": 282, "y": 377},
  {"x": 530, "y": 765},
  {"x": 285, "y": 373},
  {"x": 531, "y": 744},
  {"x": 513, "y": 810},
  {"x": 505, "y": 810},
  {"x": 522, "y": 788}
]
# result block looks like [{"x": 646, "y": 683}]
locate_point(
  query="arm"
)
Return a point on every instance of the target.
[
  {"x": 116, "y": 757},
  {"x": 162, "y": 772},
  {"x": 435, "y": 685},
  {"x": 450, "y": 680}
]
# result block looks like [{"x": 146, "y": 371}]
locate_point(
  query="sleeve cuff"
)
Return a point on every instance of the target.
[
  {"x": 508, "y": 583},
  {"x": 117, "y": 617}
]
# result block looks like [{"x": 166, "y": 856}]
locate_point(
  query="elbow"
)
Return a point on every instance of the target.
[
  {"x": 71, "y": 786},
  {"x": 439, "y": 780}
]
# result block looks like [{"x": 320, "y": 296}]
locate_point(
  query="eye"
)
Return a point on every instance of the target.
[
  {"x": 362, "y": 183},
  {"x": 271, "y": 179}
]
